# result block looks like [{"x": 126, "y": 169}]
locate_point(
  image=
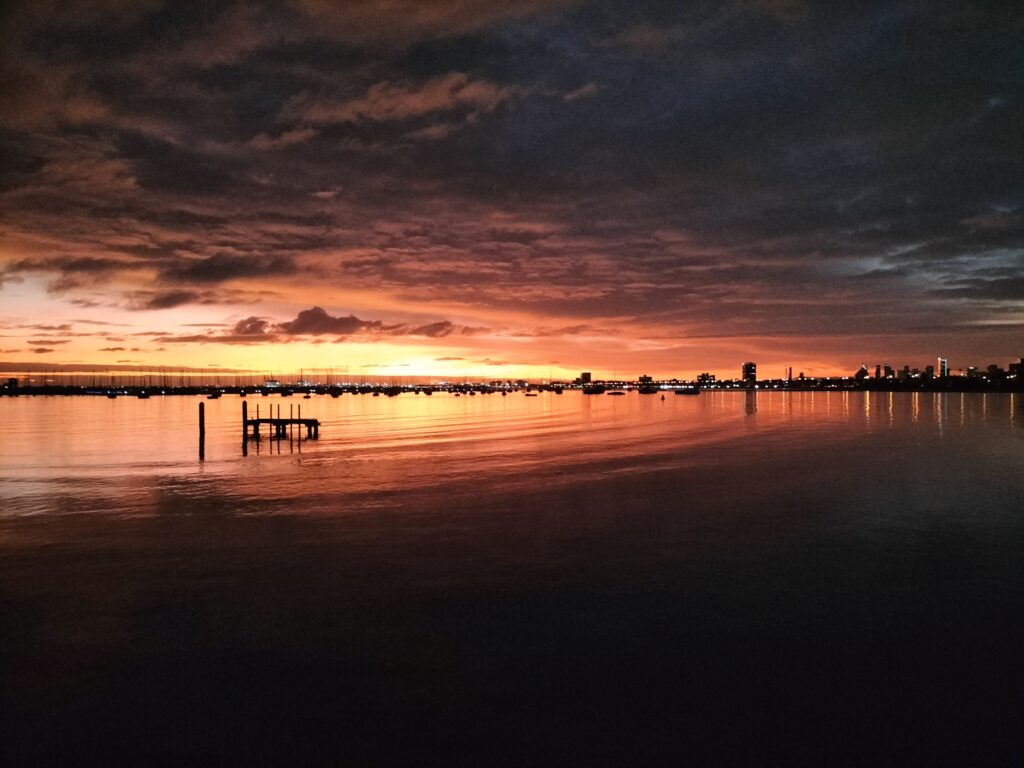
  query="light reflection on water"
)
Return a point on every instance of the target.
[
  {"x": 774, "y": 574},
  {"x": 80, "y": 449}
]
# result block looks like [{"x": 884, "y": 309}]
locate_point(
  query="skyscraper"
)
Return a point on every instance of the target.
[
  {"x": 749, "y": 374},
  {"x": 943, "y": 368}
]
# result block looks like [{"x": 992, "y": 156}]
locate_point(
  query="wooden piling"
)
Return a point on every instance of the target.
[
  {"x": 202, "y": 431},
  {"x": 245, "y": 428}
]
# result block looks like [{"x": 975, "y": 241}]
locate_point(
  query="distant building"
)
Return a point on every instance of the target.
[
  {"x": 646, "y": 380},
  {"x": 861, "y": 374},
  {"x": 585, "y": 377},
  {"x": 878, "y": 371},
  {"x": 749, "y": 374},
  {"x": 1017, "y": 369},
  {"x": 943, "y": 368},
  {"x": 12, "y": 383},
  {"x": 706, "y": 378}
]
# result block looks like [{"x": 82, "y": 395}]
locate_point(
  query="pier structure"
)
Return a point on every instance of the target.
[{"x": 279, "y": 426}]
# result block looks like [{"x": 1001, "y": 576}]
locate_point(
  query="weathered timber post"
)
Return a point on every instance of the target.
[{"x": 202, "y": 431}]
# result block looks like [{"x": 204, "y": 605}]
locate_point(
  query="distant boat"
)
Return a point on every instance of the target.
[
  {"x": 647, "y": 389},
  {"x": 688, "y": 391},
  {"x": 428, "y": 391},
  {"x": 504, "y": 394},
  {"x": 531, "y": 394},
  {"x": 112, "y": 395},
  {"x": 213, "y": 396},
  {"x": 557, "y": 390},
  {"x": 306, "y": 396},
  {"x": 616, "y": 392},
  {"x": 143, "y": 395},
  {"x": 593, "y": 389}
]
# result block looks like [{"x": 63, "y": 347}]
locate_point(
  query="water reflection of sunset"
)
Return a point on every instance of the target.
[{"x": 372, "y": 447}]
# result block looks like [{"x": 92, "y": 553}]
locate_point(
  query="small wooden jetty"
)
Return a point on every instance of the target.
[{"x": 279, "y": 427}]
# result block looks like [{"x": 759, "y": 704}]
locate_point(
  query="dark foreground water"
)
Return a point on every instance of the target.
[{"x": 814, "y": 579}]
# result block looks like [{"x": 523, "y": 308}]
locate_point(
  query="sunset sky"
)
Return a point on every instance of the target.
[{"x": 518, "y": 188}]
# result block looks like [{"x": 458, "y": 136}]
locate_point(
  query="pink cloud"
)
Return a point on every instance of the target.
[
  {"x": 386, "y": 100},
  {"x": 286, "y": 139}
]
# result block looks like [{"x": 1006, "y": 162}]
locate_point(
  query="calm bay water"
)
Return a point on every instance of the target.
[{"x": 792, "y": 578}]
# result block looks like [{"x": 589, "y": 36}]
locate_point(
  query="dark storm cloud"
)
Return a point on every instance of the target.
[
  {"x": 221, "y": 267},
  {"x": 249, "y": 330},
  {"x": 164, "y": 299},
  {"x": 316, "y": 321},
  {"x": 772, "y": 166},
  {"x": 72, "y": 265},
  {"x": 434, "y": 330},
  {"x": 252, "y": 326}
]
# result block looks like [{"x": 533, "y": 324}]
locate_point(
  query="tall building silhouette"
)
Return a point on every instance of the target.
[{"x": 749, "y": 374}]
